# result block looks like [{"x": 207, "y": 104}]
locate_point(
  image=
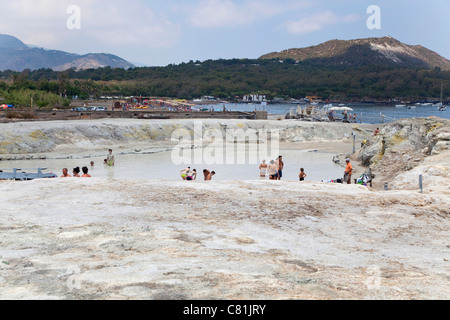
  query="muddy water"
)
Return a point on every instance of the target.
[{"x": 157, "y": 166}]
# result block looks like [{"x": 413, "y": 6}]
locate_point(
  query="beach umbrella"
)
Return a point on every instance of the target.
[{"x": 341, "y": 109}]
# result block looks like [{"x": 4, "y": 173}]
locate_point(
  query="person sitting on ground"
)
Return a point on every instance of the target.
[
  {"x": 345, "y": 118},
  {"x": 65, "y": 173},
  {"x": 76, "y": 172},
  {"x": 330, "y": 115},
  {"x": 302, "y": 174},
  {"x": 85, "y": 171},
  {"x": 377, "y": 132}
]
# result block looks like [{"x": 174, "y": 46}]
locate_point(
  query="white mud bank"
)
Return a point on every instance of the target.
[
  {"x": 38, "y": 139},
  {"x": 107, "y": 239}
]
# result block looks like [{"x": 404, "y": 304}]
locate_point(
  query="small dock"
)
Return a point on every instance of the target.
[
  {"x": 21, "y": 175},
  {"x": 316, "y": 113}
]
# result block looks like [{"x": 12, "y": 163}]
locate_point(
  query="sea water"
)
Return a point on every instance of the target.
[
  {"x": 159, "y": 166},
  {"x": 367, "y": 113}
]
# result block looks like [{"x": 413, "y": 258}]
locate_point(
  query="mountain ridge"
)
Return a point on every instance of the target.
[
  {"x": 359, "y": 52},
  {"x": 17, "y": 56}
]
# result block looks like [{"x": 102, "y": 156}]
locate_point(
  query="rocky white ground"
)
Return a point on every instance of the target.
[{"x": 107, "y": 239}]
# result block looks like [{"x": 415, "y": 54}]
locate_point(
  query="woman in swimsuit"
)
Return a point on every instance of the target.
[
  {"x": 273, "y": 170},
  {"x": 263, "y": 169},
  {"x": 185, "y": 172},
  {"x": 76, "y": 172}
]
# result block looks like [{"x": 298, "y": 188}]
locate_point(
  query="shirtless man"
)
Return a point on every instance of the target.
[
  {"x": 302, "y": 174},
  {"x": 280, "y": 165},
  {"x": 65, "y": 173},
  {"x": 208, "y": 175}
]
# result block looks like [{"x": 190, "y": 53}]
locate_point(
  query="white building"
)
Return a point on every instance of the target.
[{"x": 254, "y": 98}]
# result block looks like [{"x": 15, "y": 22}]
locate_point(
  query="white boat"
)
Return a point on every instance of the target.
[{"x": 401, "y": 106}]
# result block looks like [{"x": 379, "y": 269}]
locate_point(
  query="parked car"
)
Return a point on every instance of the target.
[{"x": 79, "y": 109}]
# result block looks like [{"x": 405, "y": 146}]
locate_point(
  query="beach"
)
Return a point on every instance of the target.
[{"x": 110, "y": 238}]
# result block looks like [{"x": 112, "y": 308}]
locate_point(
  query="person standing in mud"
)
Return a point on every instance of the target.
[
  {"x": 280, "y": 167},
  {"x": 302, "y": 174},
  {"x": 110, "y": 159},
  {"x": 263, "y": 169},
  {"x": 208, "y": 175},
  {"x": 273, "y": 170},
  {"x": 184, "y": 173}
]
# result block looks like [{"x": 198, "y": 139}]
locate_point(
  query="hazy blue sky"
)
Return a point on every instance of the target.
[{"x": 157, "y": 32}]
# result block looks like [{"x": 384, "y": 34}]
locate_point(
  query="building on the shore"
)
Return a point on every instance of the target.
[{"x": 254, "y": 98}]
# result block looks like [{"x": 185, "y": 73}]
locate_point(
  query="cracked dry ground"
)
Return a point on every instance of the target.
[{"x": 110, "y": 239}]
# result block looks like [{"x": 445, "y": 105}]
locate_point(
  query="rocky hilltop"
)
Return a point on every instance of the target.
[
  {"x": 361, "y": 52},
  {"x": 17, "y": 56}
]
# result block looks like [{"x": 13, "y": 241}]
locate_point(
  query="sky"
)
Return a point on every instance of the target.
[{"x": 162, "y": 32}]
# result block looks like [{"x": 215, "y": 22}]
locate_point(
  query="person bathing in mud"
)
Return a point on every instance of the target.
[
  {"x": 86, "y": 173},
  {"x": 273, "y": 170},
  {"x": 263, "y": 169},
  {"x": 192, "y": 175},
  {"x": 280, "y": 165},
  {"x": 302, "y": 174},
  {"x": 110, "y": 159},
  {"x": 65, "y": 173},
  {"x": 208, "y": 175},
  {"x": 184, "y": 173},
  {"x": 76, "y": 172}
]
